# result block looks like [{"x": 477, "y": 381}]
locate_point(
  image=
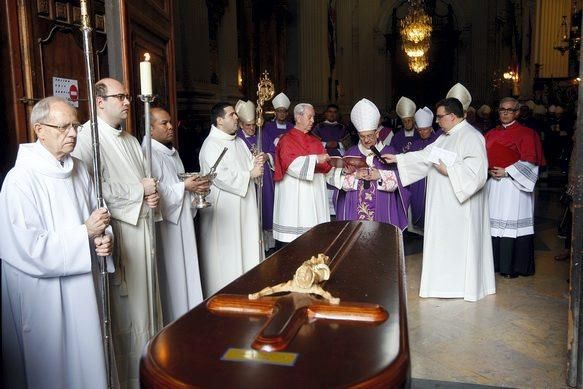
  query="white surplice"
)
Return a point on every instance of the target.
[
  {"x": 123, "y": 167},
  {"x": 301, "y": 198},
  {"x": 229, "y": 229},
  {"x": 178, "y": 273},
  {"x": 457, "y": 251},
  {"x": 511, "y": 201},
  {"x": 51, "y": 335}
]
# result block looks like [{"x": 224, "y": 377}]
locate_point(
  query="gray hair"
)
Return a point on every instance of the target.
[
  {"x": 510, "y": 100},
  {"x": 300, "y": 108},
  {"x": 41, "y": 110}
]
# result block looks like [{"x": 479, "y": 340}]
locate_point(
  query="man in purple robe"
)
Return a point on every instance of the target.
[
  {"x": 274, "y": 129},
  {"x": 424, "y": 121},
  {"x": 403, "y": 139},
  {"x": 373, "y": 192},
  {"x": 247, "y": 132},
  {"x": 333, "y": 135}
]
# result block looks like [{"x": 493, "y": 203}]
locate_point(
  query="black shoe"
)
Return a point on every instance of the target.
[{"x": 509, "y": 275}]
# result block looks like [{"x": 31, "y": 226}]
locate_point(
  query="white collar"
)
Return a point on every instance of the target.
[
  {"x": 216, "y": 133},
  {"x": 36, "y": 157},
  {"x": 161, "y": 147},
  {"x": 509, "y": 124}
]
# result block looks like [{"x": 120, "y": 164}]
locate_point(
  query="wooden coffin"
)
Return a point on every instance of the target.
[{"x": 361, "y": 342}]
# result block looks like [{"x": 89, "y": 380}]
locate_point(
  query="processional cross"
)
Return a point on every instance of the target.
[{"x": 288, "y": 313}]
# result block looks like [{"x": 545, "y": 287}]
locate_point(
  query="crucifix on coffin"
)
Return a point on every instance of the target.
[{"x": 287, "y": 314}]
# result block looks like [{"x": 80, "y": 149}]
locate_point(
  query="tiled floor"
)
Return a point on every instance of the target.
[{"x": 515, "y": 338}]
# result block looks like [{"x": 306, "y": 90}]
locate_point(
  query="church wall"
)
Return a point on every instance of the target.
[
  {"x": 548, "y": 16},
  {"x": 360, "y": 53}
]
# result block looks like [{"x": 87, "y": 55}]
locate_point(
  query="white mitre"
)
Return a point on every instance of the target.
[
  {"x": 246, "y": 111},
  {"x": 405, "y": 107},
  {"x": 460, "y": 92},
  {"x": 238, "y": 105},
  {"x": 281, "y": 101},
  {"x": 424, "y": 118},
  {"x": 365, "y": 116}
]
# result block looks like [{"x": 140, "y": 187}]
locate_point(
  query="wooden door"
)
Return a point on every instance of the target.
[
  {"x": 147, "y": 28},
  {"x": 42, "y": 46}
]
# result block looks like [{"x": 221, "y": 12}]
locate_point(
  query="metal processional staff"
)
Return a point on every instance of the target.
[
  {"x": 148, "y": 97},
  {"x": 265, "y": 92},
  {"x": 104, "y": 277}
]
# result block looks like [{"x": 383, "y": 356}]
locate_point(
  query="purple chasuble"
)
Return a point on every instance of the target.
[
  {"x": 268, "y": 188},
  {"x": 327, "y": 132},
  {"x": 373, "y": 204},
  {"x": 402, "y": 143},
  {"x": 418, "y": 189}
]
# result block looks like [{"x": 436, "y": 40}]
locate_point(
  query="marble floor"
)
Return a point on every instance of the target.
[{"x": 515, "y": 338}]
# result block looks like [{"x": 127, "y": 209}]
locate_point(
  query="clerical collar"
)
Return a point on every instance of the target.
[
  {"x": 409, "y": 133},
  {"x": 454, "y": 128},
  {"x": 509, "y": 124},
  {"x": 328, "y": 122},
  {"x": 215, "y": 132},
  {"x": 280, "y": 125},
  {"x": 161, "y": 147},
  {"x": 103, "y": 124}
]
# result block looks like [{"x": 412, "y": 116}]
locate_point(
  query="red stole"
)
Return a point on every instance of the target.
[
  {"x": 506, "y": 146},
  {"x": 295, "y": 144}
]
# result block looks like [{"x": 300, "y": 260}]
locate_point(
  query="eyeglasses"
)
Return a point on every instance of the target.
[
  {"x": 439, "y": 117},
  {"x": 367, "y": 137},
  {"x": 507, "y": 110},
  {"x": 64, "y": 127},
  {"x": 120, "y": 97}
]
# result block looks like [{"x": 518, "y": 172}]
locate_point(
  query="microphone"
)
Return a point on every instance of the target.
[{"x": 379, "y": 156}]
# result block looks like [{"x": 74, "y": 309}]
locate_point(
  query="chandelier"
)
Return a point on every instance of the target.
[
  {"x": 414, "y": 50},
  {"x": 567, "y": 39},
  {"x": 416, "y": 26},
  {"x": 416, "y": 30},
  {"x": 418, "y": 64}
]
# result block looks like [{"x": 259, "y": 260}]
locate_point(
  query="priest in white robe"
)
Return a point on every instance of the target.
[
  {"x": 229, "y": 228},
  {"x": 50, "y": 233},
  {"x": 457, "y": 251},
  {"x": 128, "y": 195},
  {"x": 178, "y": 272},
  {"x": 302, "y": 170}
]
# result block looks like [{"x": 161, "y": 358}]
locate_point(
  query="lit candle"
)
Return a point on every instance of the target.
[{"x": 146, "y": 75}]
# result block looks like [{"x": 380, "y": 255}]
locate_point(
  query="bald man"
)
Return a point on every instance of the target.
[
  {"x": 178, "y": 272},
  {"x": 128, "y": 196}
]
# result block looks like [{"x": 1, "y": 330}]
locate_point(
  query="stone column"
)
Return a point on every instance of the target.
[{"x": 314, "y": 68}]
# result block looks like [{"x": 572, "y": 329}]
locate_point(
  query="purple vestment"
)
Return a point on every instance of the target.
[
  {"x": 268, "y": 188},
  {"x": 402, "y": 143},
  {"x": 417, "y": 189},
  {"x": 327, "y": 132},
  {"x": 373, "y": 204}
]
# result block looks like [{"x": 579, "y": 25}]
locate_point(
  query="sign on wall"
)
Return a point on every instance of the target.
[{"x": 67, "y": 89}]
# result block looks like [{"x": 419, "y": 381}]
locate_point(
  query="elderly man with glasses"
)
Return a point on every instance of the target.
[
  {"x": 514, "y": 157},
  {"x": 372, "y": 191},
  {"x": 457, "y": 252},
  {"x": 128, "y": 195},
  {"x": 51, "y": 232}
]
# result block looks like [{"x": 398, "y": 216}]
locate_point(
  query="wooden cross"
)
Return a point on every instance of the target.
[{"x": 288, "y": 313}]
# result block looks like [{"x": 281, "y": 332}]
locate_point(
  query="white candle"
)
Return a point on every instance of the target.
[{"x": 146, "y": 76}]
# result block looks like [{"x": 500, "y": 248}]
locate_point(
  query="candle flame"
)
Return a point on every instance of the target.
[{"x": 147, "y": 57}]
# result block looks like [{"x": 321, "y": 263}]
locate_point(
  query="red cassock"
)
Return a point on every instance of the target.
[
  {"x": 297, "y": 144},
  {"x": 506, "y": 146}
]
